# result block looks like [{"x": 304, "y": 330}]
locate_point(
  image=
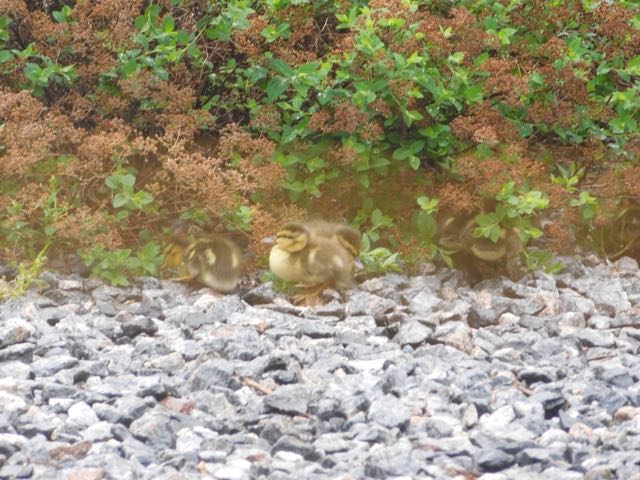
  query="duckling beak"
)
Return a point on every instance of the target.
[{"x": 270, "y": 240}]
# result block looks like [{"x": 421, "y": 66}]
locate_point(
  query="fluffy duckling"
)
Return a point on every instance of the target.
[
  {"x": 213, "y": 261},
  {"x": 349, "y": 238},
  {"x": 310, "y": 259}
]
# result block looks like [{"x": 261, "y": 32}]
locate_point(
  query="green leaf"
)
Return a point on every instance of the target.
[
  {"x": 5, "y": 56},
  {"x": 281, "y": 67},
  {"x": 430, "y": 205},
  {"x": 427, "y": 225},
  {"x": 128, "y": 181},
  {"x": 120, "y": 200},
  {"x": 505, "y": 35},
  {"x": 456, "y": 57},
  {"x": 276, "y": 87},
  {"x": 168, "y": 24},
  {"x": 633, "y": 66}
]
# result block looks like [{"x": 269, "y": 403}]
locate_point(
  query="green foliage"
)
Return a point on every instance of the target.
[
  {"x": 569, "y": 176},
  {"x": 20, "y": 231},
  {"x": 125, "y": 197},
  {"x": 588, "y": 205},
  {"x": 389, "y": 90},
  {"x": 64, "y": 15},
  {"x": 117, "y": 266},
  {"x": 41, "y": 72},
  {"x": 160, "y": 45},
  {"x": 28, "y": 273},
  {"x": 278, "y": 284},
  {"x": 515, "y": 209},
  {"x": 379, "y": 259},
  {"x": 240, "y": 219}
]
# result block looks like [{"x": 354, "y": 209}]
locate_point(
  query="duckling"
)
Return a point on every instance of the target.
[
  {"x": 480, "y": 257},
  {"x": 624, "y": 231},
  {"x": 213, "y": 261},
  {"x": 312, "y": 259},
  {"x": 349, "y": 238}
]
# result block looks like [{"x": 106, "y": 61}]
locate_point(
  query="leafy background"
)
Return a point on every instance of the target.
[{"x": 118, "y": 117}]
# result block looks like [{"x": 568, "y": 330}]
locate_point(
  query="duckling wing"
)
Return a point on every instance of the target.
[{"x": 329, "y": 263}]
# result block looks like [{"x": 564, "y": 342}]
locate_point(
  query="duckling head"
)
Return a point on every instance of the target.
[
  {"x": 293, "y": 237},
  {"x": 173, "y": 255},
  {"x": 349, "y": 239}
]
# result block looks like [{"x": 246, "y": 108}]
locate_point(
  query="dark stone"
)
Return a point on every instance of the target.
[
  {"x": 493, "y": 460},
  {"x": 130, "y": 408},
  {"x": 551, "y": 401},
  {"x": 52, "y": 315},
  {"x": 260, "y": 295},
  {"x": 482, "y": 317},
  {"x": 530, "y": 456},
  {"x": 532, "y": 375},
  {"x": 289, "y": 443},
  {"x": 272, "y": 432},
  {"x": 138, "y": 325},
  {"x": 20, "y": 351}
]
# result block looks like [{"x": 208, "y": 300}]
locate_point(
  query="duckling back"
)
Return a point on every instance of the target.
[
  {"x": 214, "y": 262},
  {"x": 329, "y": 262}
]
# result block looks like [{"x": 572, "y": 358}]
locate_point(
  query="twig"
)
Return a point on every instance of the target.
[{"x": 253, "y": 384}]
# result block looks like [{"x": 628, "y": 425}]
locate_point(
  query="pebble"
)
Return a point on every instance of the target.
[{"x": 406, "y": 377}]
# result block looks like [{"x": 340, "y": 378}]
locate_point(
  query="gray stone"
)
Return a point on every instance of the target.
[
  {"x": 609, "y": 296},
  {"x": 577, "y": 303},
  {"x": 412, "y": 332},
  {"x": 389, "y": 412},
  {"x": 98, "y": 432},
  {"x": 364, "y": 303},
  {"x": 454, "y": 334},
  {"x": 15, "y": 330},
  {"x": 594, "y": 338},
  {"x": 289, "y": 399},
  {"x": 153, "y": 428},
  {"x": 215, "y": 372},
  {"x": 395, "y": 460},
  {"x": 599, "y": 322},
  {"x": 424, "y": 303},
  {"x": 48, "y": 366},
  {"x": 81, "y": 416}
]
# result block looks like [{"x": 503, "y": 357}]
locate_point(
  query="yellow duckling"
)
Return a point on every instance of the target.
[
  {"x": 213, "y": 261},
  {"x": 310, "y": 259}
]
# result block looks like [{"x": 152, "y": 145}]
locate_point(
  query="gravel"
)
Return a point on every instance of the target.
[{"x": 404, "y": 377}]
